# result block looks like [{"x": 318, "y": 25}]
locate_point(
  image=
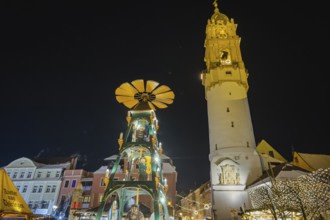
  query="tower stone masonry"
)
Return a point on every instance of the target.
[{"x": 234, "y": 162}]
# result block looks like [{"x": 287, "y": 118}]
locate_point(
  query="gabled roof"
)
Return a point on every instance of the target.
[
  {"x": 266, "y": 149},
  {"x": 311, "y": 162},
  {"x": 281, "y": 171}
]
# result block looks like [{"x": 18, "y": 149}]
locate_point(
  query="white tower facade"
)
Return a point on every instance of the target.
[{"x": 233, "y": 157}]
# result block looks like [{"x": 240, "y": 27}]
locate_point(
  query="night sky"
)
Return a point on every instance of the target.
[{"x": 60, "y": 63}]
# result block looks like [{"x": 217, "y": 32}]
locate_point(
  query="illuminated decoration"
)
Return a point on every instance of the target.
[
  {"x": 140, "y": 150},
  {"x": 120, "y": 140},
  {"x": 136, "y": 94},
  {"x": 304, "y": 197},
  {"x": 128, "y": 118},
  {"x": 199, "y": 207}
]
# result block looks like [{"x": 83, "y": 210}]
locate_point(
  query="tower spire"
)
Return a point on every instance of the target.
[{"x": 215, "y": 3}]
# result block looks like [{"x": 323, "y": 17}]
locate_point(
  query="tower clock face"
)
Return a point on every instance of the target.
[{"x": 221, "y": 32}]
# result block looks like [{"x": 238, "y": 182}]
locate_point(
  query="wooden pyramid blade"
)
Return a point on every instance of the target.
[
  {"x": 152, "y": 106},
  {"x": 161, "y": 89},
  {"x": 166, "y": 101},
  {"x": 165, "y": 95},
  {"x": 139, "y": 85},
  {"x": 159, "y": 104},
  {"x": 131, "y": 104},
  {"x": 131, "y": 91},
  {"x": 122, "y": 99},
  {"x": 151, "y": 85},
  {"x": 124, "y": 92}
]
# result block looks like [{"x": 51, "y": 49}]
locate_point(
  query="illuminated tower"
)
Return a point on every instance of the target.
[
  {"x": 233, "y": 158},
  {"x": 143, "y": 182}
]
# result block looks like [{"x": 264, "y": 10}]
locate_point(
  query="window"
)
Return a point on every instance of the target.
[
  {"x": 44, "y": 204},
  {"x": 100, "y": 197},
  {"x": 86, "y": 199},
  {"x": 271, "y": 153},
  {"x": 40, "y": 189},
  {"x": 38, "y": 174},
  {"x": 34, "y": 190},
  {"x": 22, "y": 175},
  {"x": 228, "y": 73},
  {"x": 29, "y": 174},
  {"x": 8, "y": 173},
  {"x": 54, "y": 188},
  {"x": 63, "y": 198},
  {"x": 15, "y": 175},
  {"x": 48, "y": 174},
  {"x": 30, "y": 204},
  {"x": 24, "y": 189},
  {"x": 48, "y": 188},
  {"x": 236, "y": 157},
  {"x": 18, "y": 187},
  {"x": 58, "y": 173},
  {"x": 232, "y": 124},
  {"x": 73, "y": 184},
  {"x": 66, "y": 184},
  {"x": 102, "y": 183},
  {"x": 227, "y": 109}
]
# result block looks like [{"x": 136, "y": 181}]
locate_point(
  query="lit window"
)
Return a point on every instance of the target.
[
  {"x": 86, "y": 199},
  {"x": 101, "y": 197}
]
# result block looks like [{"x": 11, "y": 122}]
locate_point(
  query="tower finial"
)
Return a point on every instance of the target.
[{"x": 215, "y": 3}]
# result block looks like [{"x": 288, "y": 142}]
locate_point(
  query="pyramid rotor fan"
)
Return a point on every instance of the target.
[{"x": 139, "y": 95}]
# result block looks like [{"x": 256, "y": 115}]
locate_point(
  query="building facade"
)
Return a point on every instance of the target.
[
  {"x": 39, "y": 184},
  {"x": 70, "y": 181},
  {"x": 233, "y": 158},
  {"x": 196, "y": 205}
]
